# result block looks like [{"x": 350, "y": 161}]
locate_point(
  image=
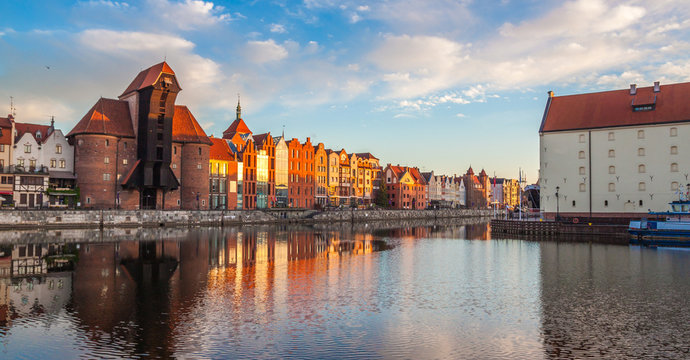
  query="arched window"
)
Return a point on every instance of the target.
[
  {"x": 582, "y": 170},
  {"x": 581, "y": 155},
  {"x": 612, "y": 169},
  {"x": 674, "y": 131},
  {"x": 612, "y": 153},
  {"x": 640, "y": 134},
  {"x": 674, "y": 186},
  {"x": 583, "y": 187},
  {"x": 612, "y": 187},
  {"x": 640, "y": 152},
  {"x": 611, "y": 136},
  {"x": 641, "y": 186},
  {"x": 674, "y": 150},
  {"x": 674, "y": 167},
  {"x": 641, "y": 169}
]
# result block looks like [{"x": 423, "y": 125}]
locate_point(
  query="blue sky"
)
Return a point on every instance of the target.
[{"x": 437, "y": 84}]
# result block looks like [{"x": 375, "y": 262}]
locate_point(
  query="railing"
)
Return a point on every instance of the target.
[{"x": 18, "y": 169}]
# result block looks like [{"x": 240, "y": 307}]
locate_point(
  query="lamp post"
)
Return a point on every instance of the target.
[{"x": 558, "y": 215}]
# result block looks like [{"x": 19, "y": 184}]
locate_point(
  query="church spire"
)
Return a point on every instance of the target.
[{"x": 239, "y": 108}]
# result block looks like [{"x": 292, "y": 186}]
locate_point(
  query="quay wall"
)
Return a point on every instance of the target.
[{"x": 65, "y": 219}]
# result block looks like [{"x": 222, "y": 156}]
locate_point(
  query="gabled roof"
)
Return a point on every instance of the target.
[
  {"x": 148, "y": 77},
  {"x": 367, "y": 156},
  {"x": 237, "y": 126},
  {"x": 261, "y": 138},
  {"x": 415, "y": 174},
  {"x": 34, "y": 130},
  {"x": 5, "y": 122},
  {"x": 108, "y": 117},
  {"x": 220, "y": 150},
  {"x": 615, "y": 108},
  {"x": 185, "y": 128}
]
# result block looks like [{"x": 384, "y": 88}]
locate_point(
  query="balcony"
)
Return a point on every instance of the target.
[{"x": 18, "y": 169}]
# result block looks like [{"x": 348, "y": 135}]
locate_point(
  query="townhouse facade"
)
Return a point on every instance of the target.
[{"x": 406, "y": 187}]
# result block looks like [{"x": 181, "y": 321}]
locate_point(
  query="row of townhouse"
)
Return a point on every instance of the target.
[
  {"x": 142, "y": 151},
  {"x": 445, "y": 191},
  {"x": 36, "y": 166}
]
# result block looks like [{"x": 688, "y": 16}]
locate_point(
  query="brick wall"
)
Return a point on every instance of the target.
[{"x": 193, "y": 176}]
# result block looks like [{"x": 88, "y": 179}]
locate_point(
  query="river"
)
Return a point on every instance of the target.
[{"x": 420, "y": 290}]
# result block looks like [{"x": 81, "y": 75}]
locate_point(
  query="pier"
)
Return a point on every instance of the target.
[{"x": 555, "y": 228}]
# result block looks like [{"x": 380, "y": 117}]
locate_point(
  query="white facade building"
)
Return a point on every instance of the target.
[{"x": 616, "y": 153}]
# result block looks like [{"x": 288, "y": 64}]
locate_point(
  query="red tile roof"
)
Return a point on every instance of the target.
[
  {"x": 261, "y": 138},
  {"x": 5, "y": 131},
  {"x": 5, "y": 122},
  {"x": 615, "y": 108},
  {"x": 185, "y": 128},
  {"x": 237, "y": 126},
  {"x": 108, "y": 117},
  {"x": 220, "y": 150},
  {"x": 148, "y": 77},
  {"x": 32, "y": 129}
]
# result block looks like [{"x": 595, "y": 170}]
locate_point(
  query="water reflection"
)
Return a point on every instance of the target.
[{"x": 331, "y": 291}]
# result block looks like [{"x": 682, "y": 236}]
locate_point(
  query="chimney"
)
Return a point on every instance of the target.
[
  {"x": 633, "y": 89},
  {"x": 657, "y": 87},
  {"x": 308, "y": 139},
  {"x": 550, "y": 93}
]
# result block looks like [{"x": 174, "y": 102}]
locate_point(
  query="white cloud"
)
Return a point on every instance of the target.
[
  {"x": 265, "y": 51},
  {"x": 117, "y": 41},
  {"x": 278, "y": 28},
  {"x": 460, "y": 115},
  {"x": 190, "y": 14},
  {"x": 363, "y": 8},
  {"x": 355, "y": 18},
  {"x": 111, "y": 4}
]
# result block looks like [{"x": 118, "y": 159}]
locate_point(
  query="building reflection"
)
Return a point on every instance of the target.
[
  {"x": 35, "y": 279},
  {"x": 142, "y": 294}
]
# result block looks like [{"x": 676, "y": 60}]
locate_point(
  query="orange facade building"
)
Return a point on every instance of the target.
[{"x": 301, "y": 174}]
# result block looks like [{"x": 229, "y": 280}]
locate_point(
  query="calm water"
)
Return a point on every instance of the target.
[{"x": 377, "y": 291}]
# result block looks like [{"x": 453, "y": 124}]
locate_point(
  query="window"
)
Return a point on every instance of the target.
[
  {"x": 612, "y": 153},
  {"x": 62, "y": 163},
  {"x": 80, "y": 142},
  {"x": 674, "y": 131},
  {"x": 125, "y": 162},
  {"x": 674, "y": 167},
  {"x": 606, "y": 203},
  {"x": 174, "y": 166},
  {"x": 2, "y": 147},
  {"x": 53, "y": 163},
  {"x": 198, "y": 166},
  {"x": 640, "y": 134},
  {"x": 106, "y": 160},
  {"x": 582, "y": 138},
  {"x": 583, "y": 187},
  {"x": 27, "y": 148},
  {"x": 612, "y": 187},
  {"x": 641, "y": 186},
  {"x": 612, "y": 169},
  {"x": 573, "y": 203},
  {"x": 199, "y": 151},
  {"x": 58, "y": 149},
  {"x": 125, "y": 145},
  {"x": 611, "y": 136},
  {"x": 640, "y": 152},
  {"x": 21, "y": 162},
  {"x": 88, "y": 200},
  {"x": 674, "y": 186},
  {"x": 581, "y": 155},
  {"x": 32, "y": 163},
  {"x": 674, "y": 150},
  {"x": 106, "y": 177},
  {"x": 582, "y": 170},
  {"x": 641, "y": 203},
  {"x": 107, "y": 142},
  {"x": 641, "y": 169}
]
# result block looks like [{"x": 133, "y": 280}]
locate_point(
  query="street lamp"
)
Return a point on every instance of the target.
[{"x": 558, "y": 215}]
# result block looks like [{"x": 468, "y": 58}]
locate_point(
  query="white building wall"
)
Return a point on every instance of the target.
[
  {"x": 620, "y": 191},
  {"x": 49, "y": 151},
  {"x": 21, "y": 154}
]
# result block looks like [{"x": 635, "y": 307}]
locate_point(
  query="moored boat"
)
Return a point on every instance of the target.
[{"x": 670, "y": 228}]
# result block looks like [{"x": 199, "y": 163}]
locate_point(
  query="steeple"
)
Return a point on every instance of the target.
[{"x": 239, "y": 108}]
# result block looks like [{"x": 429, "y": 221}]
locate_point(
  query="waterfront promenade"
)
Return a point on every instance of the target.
[{"x": 56, "y": 219}]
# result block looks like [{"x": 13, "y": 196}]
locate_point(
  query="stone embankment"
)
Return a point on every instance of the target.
[{"x": 64, "y": 219}]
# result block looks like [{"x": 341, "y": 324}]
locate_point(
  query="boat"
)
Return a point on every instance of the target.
[{"x": 669, "y": 228}]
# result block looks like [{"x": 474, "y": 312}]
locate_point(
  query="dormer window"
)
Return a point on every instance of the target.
[{"x": 38, "y": 134}]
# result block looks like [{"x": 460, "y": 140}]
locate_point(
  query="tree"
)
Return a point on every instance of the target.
[{"x": 382, "y": 196}]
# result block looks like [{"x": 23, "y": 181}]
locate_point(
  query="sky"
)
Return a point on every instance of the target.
[{"x": 439, "y": 84}]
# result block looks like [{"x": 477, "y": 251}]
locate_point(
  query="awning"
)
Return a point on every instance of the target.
[{"x": 6, "y": 192}]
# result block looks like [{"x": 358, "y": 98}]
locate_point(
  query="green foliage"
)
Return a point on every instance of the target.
[{"x": 382, "y": 196}]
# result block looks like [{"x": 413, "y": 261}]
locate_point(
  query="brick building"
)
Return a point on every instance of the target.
[
  {"x": 241, "y": 142},
  {"x": 406, "y": 187},
  {"x": 320, "y": 175},
  {"x": 222, "y": 176},
  {"x": 300, "y": 174},
  {"x": 477, "y": 189},
  {"x": 266, "y": 171},
  {"x": 142, "y": 151}
]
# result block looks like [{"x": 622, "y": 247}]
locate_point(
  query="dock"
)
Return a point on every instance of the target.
[{"x": 555, "y": 228}]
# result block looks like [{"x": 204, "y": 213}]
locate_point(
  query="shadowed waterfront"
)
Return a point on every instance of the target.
[{"x": 413, "y": 290}]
